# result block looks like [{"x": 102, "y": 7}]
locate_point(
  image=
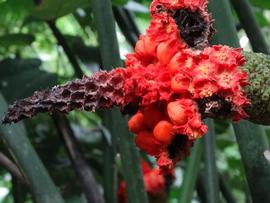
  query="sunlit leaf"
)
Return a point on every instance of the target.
[
  {"x": 261, "y": 3},
  {"x": 119, "y": 2},
  {"x": 52, "y": 9}
]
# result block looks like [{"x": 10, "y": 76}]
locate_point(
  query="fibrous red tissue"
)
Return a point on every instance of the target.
[{"x": 174, "y": 76}]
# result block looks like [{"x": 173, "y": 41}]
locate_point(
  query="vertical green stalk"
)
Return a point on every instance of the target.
[
  {"x": 110, "y": 56},
  {"x": 211, "y": 175},
  {"x": 105, "y": 23},
  {"x": 191, "y": 173},
  {"x": 16, "y": 139},
  {"x": 251, "y": 138},
  {"x": 251, "y": 26},
  {"x": 225, "y": 190},
  {"x": 226, "y": 30},
  {"x": 253, "y": 143}
]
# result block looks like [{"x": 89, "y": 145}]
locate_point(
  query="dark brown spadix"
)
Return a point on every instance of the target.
[{"x": 102, "y": 90}]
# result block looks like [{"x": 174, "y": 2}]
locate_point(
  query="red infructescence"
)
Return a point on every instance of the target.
[{"x": 169, "y": 78}]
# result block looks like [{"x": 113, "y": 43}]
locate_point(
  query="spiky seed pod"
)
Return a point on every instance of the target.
[
  {"x": 102, "y": 90},
  {"x": 258, "y": 68}
]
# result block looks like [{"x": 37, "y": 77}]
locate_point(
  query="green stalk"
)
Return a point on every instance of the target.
[
  {"x": 250, "y": 137},
  {"x": 225, "y": 190},
  {"x": 105, "y": 23},
  {"x": 251, "y": 26},
  {"x": 191, "y": 173},
  {"x": 211, "y": 175},
  {"x": 226, "y": 30},
  {"x": 253, "y": 143},
  {"x": 110, "y": 58},
  {"x": 16, "y": 139}
]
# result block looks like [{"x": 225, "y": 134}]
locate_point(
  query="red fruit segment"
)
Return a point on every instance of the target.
[
  {"x": 135, "y": 123},
  {"x": 152, "y": 115},
  {"x": 146, "y": 141},
  {"x": 176, "y": 113},
  {"x": 163, "y": 132},
  {"x": 165, "y": 52},
  {"x": 180, "y": 83}
]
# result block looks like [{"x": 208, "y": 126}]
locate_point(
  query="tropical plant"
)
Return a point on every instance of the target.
[{"x": 174, "y": 79}]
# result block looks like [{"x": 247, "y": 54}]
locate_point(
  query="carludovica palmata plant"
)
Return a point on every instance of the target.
[{"x": 172, "y": 81}]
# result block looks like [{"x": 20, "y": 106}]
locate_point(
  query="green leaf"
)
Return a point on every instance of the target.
[
  {"x": 14, "y": 10},
  {"x": 30, "y": 78},
  {"x": 52, "y": 9},
  {"x": 261, "y": 3},
  {"x": 119, "y": 2},
  {"x": 17, "y": 40},
  {"x": 263, "y": 22}
]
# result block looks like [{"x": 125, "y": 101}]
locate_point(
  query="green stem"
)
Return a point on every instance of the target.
[
  {"x": 131, "y": 161},
  {"x": 211, "y": 175},
  {"x": 191, "y": 173},
  {"x": 125, "y": 24},
  {"x": 62, "y": 42},
  {"x": 105, "y": 23},
  {"x": 225, "y": 190},
  {"x": 224, "y": 24},
  {"x": 253, "y": 143},
  {"x": 11, "y": 167},
  {"x": 16, "y": 139},
  {"x": 250, "y": 137},
  {"x": 251, "y": 26},
  {"x": 83, "y": 170}
]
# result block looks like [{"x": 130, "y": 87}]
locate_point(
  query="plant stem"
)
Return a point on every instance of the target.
[
  {"x": 251, "y": 26},
  {"x": 63, "y": 43},
  {"x": 110, "y": 58},
  {"x": 16, "y": 139},
  {"x": 226, "y": 30},
  {"x": 126, "y": 27},
  {"x": 191, "y": 173},
  {"x": 200, "y": 188},
  {"x": 211, "y": 175},
  {"x": 131, "y": 161},
  {"x": 251, "y": 138},
  {"x": 81, "y": 166},
  {"x": 225, "y": 190},
  {"x": 105, "y": 23},
  {"x": 7, "y": 164},
  {"x": 253, "y": 143}
]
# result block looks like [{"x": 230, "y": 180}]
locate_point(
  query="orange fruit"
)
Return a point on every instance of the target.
[
  {"x": 136, "y": 123},
  {"x": 163, "y": 132},
  {"x": 176, "y": 113}
]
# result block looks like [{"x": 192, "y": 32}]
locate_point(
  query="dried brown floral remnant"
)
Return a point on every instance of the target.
[{"x": 103, "y": 90}]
